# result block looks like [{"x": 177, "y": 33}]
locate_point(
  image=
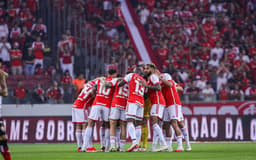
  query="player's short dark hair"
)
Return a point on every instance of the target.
[
  {"x": 128, "y": 72},
  {"x": 112, "y": 71},
  {"x": 151, "y": 65},
  {"x": 1, "y": 61},
  {"x": 138, "y": 70}
]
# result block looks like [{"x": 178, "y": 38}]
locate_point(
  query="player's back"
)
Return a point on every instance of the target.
[
  {"x": 170, "y": 93},
  {"x": 120, "y": 96},
  {"x": 85, "y": 99},
  {"x": 136, "y": 90},
  {"x": 104, "y": 94},
  {"x": 156, "y": 96}
]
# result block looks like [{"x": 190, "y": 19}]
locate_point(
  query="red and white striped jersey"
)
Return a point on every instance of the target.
[
  {"x": 104, "y": 95},
  {"x": 170, "y": 94},
  {"x": 120, "y": 95},
  {"x": 85, "y": 98},
  {"x": 136, "y": 90},
  {"x": 156, "y": 97}
]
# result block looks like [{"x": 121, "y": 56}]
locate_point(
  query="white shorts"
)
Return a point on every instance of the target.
[
  {"x": 117, "y": 114},
  {"x": 157, "y": 110},
  {"x": 134, "y": 111},
  {"x": 79, "y": 115},
  {"x": 173, "y": 112},
  {"x": 99, "y": 112}
]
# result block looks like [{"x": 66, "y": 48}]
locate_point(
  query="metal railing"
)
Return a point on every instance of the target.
[{"x": 91, "y": 55}]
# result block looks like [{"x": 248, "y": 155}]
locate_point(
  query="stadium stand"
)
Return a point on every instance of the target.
[{"x": 205, "y": 45}]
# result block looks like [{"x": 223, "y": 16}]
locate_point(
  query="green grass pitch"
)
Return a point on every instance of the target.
[{"x": 201, "y": 151}]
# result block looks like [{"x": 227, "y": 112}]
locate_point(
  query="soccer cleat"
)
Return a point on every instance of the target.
[
  {"x": 153, "y": 150},
  {"x": 112, "y": 149},
  {"x": 179, "y": 149},
  {"x": 79, "y": 149},
  {"x": 133, "y": 147},
  {"x": 188, "y": 148},
  {"x": 103, "y": 149},
  {"x": 162, "y": 148},
  {"x": 91, "y": 149},
  {"x": 170, "y": 149},
  {"x": 142, "y": 149},
  {"x": 118, "y": 149}
]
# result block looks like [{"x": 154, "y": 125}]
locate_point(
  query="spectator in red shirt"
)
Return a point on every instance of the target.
[
  {"x": 223, "y": 93},
  {"x": 16, "y": 62},
  {"x": 163, "y": 52},
  {"x": 250, "y": 92},
  {"x": 67, "y": 87},
  {"x": 15, "y": 34},
  {"x": 38, "y": 70},
  {"x": 236, "y": 93},
  {"x": 20, "y": 93},
  {"x": 66, "y": 79},
  {"x": 42, "y": 27},
  {"x": 37, "y": 32},
  {"x": 55, "y": 94},
  {"x": 33, "y": 5},
  {"x": 12, "y": 12},
  {"x": 192, "y": 91},
  {"x": 115, "y": 43},
  {"x": 27, "y": 18},
  {"x": 66, "y": 59},
  {"x": 38, "y": 50},
  {"x": 72, "y": 40},
  {"x": 38, "y": 94}
]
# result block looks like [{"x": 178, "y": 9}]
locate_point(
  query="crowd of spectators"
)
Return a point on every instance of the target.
[
  {"x": 208, "y": 46},
  {"x": 23, "y": 47}
]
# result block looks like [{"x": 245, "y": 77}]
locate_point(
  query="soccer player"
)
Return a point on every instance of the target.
[
  {"x": 146, "y": 116},
  {"x": 135, "y": 104},
  {"x": 100, "y": 109},
  {"x": 173, "y": 112},
  {"x": 3, "y": 137},
  {"x": 157, "y": 105},
  {"x": 117, "y": 113},
  {"x": 80, "y": 111}
]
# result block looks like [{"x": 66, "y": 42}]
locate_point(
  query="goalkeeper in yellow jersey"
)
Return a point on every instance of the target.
[{"x": 144, "y": 141}]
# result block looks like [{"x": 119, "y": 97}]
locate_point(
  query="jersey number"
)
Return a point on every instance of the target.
[
  {"x": 123, "y": 90},
  {"x": 103, "y": 90},
  {"x": 139, "y": 88}
]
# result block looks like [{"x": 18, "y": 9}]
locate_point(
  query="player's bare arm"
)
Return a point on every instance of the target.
[
  {"x": 179, "y": 88},
  {"x": 168, "y": 83},
  {"x": 156, "y": 87},
  {"x": 4, "y": 90},
  {"x": 109, "y": 84}
]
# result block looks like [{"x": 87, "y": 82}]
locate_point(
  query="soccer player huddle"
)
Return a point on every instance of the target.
[{"x": 124, "y": 105}]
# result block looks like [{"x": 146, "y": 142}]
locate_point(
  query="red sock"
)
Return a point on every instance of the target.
[{"x": 6, "y": 154}]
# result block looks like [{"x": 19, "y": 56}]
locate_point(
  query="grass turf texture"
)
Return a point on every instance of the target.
[{"x": 203, "y": 151}]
